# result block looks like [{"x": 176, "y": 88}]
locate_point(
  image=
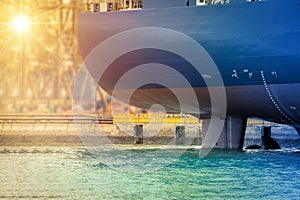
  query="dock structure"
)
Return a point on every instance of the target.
[
  {"x": 134, "y": 119},
  {"x": 49, "y": 124},
  {"x": 139, "y": 119},
  {"x": 25, "y": 119},
  {"x": 155, "y": 118},
  {"x": 69, "y": 127},
  {"x": 65, "y": 129}
]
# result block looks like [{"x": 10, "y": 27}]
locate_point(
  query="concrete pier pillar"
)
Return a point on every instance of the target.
[
  {"x": 138, "y": 134},
  {"x": 180, "y": 135},
  {"x": 232, "y": 135}
]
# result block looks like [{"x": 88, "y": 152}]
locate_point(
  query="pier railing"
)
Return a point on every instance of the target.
[
  {"x": 155, "y": 118},
  {"x": 52, "y": 119},
  {"x": 119, "y": 118},
  {"x": 52, "y": 123}
]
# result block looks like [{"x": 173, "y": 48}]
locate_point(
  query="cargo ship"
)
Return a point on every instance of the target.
[{"x": 254, "y": 45}]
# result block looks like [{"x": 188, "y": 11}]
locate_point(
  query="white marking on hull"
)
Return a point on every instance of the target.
[{"x": 272, "y": 98}]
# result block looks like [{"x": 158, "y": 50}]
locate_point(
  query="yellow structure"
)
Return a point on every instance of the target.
[{"x": 155, "y": 118}]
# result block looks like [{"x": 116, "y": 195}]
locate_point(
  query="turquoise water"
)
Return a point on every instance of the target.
[{"x": 74, "y": 173}]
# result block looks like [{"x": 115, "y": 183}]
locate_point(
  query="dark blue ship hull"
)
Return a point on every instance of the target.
[{"x": 256, "y": 47}]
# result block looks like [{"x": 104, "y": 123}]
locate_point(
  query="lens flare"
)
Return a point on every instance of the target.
[{"x": 21, "y": 23}]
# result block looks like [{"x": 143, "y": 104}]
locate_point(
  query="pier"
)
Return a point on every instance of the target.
[
  {"x": 65, "y": 129},
  {"x": 25, "y": 119}
]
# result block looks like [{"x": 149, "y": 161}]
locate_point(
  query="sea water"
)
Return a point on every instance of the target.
[{"x": 75, "y": 173}]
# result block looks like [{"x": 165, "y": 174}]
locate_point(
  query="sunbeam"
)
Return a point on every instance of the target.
[
  {"x": 4, "y": 30},
  {"x": 47, "y": 12},
  {"x": 7, "y": 8},
  {"x": 33, "y": 7},
  {"x": 45, "y": 46},
  {"x": 10, "y": 38},
  {"x": 31, "y": 37},
  {"x": 21, "y": 54}
]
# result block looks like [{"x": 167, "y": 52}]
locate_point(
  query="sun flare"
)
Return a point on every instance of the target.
[
  {"x": 21, "y": 23},
  {"x": 38, "y": 39}
]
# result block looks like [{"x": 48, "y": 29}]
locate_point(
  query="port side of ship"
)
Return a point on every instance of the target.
[{"x": 254, "y": 44}]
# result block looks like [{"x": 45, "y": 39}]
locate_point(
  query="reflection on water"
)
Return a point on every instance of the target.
[{"x": 74, "y": 173}]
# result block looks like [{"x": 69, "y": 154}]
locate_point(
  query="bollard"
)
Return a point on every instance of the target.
[
  {"x": 138, "y": 134},
  {"x": 180, "y": 135}
]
